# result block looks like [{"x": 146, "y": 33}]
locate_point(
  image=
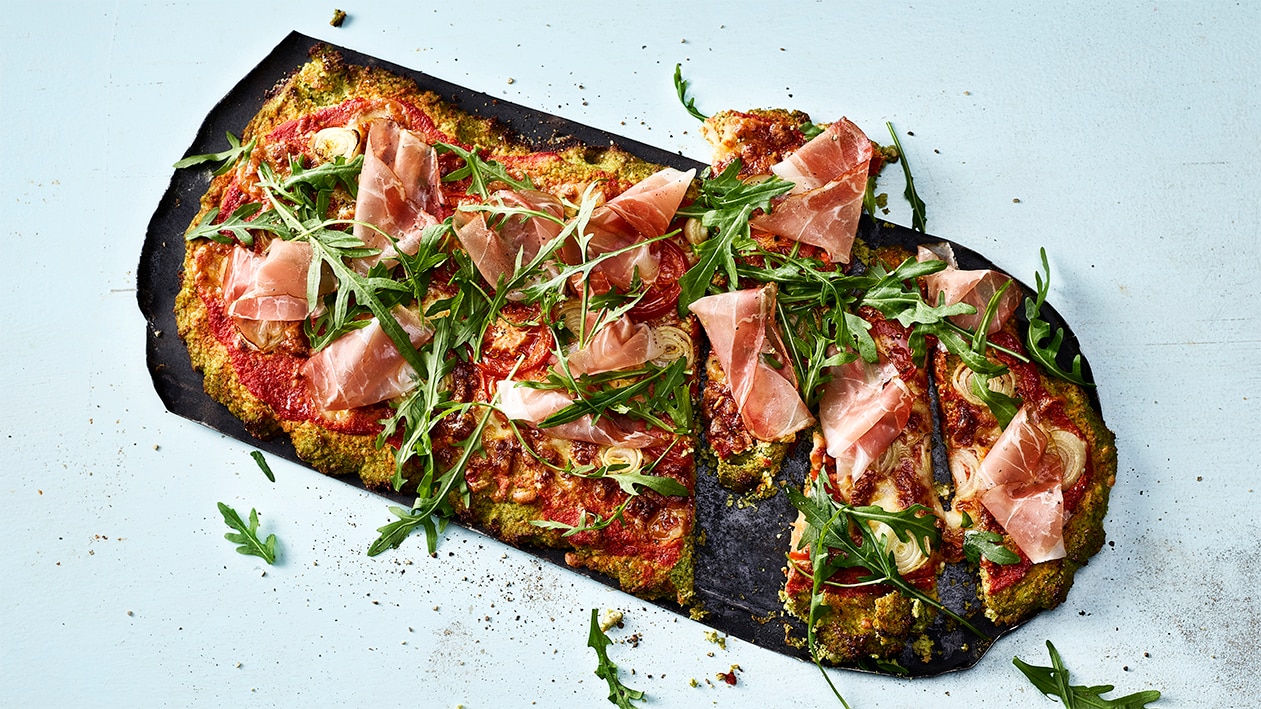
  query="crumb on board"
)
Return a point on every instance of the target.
[
  {"x": 715, "y": 638},
  {"x": 610, "y": 618}
]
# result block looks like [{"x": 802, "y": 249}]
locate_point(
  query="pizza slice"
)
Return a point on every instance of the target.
[
  {"x": 1031, "y": 492},
  {"x": 778, "y": 186},
  {"x": 414, "y": 296},
  {"x": 874, "y": 449}
]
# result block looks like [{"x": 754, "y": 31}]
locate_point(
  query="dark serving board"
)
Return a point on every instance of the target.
[{"x": 739, "y": 565}]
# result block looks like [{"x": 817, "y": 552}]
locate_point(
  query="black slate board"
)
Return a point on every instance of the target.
[{"x": 739, "y": 566}]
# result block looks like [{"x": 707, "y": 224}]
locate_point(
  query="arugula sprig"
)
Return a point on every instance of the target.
[
  {"x": 598, "y": 395},
  {"x": 852, "y": 540},
  {"x": 482, "y": 172},
  {"x": 680, "y": 87},
  {"x": 619, "y": 694},
  {"x": 247, "y": 536},
  {"x": 1053, "y": 681},
  {"x": 1040, "y": 331},
  {"x": 919, "y": 217},
  {"x": 433, "y": 508},
  {"x": 227, "y": 158},
  {"x": 238, "y": 224},
  {"x": 725, "y": 205}
]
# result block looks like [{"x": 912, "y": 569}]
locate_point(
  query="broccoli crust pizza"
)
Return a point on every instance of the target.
[{"x": 518, "y": 335}]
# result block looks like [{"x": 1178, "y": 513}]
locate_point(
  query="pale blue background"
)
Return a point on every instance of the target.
[{"x": 1128, "y": 133}]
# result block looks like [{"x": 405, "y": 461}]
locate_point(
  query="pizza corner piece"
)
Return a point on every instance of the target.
[{"x": 417, "y": 296}]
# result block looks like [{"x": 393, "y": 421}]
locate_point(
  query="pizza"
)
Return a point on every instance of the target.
[
  {"x": 543, "y": 341},
  {"x": 368, "y": 281}
]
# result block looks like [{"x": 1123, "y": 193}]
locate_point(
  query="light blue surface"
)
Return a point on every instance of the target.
[{"x": 1128, "y": 135}]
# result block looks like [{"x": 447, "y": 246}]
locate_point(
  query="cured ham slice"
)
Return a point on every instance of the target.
[
  {"x": 1033, "y": 514},
  {"x": 265, "y": 294},
  {"x": 269, "y": 287},
  {"x": 973, "y": 287},
  {"x": 533, "y": 406},
  {"x": 642, "y": 212},
  {"x": 1020, "y": 484},
  {"x": 621, "y": 344},
  {"x": 1015, "y": 455},
  {"x": 830, "y": 178},
  {"x": 741, "y": 328},
  {"x": 364, "y": 366},
  {"x": 862, "y": 410},
  {"x": 399, "y": 191},
  {"x": 495, "y": 252}
]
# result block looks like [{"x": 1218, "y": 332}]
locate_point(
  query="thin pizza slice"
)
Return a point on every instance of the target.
[
  {"x": 383, "y": 278},
  {"x": 1030, "y": 493},
  {"x": 871, "y": 465},
  {"x": 591, "y": 447},
  {"x": 778, "y": 186}
]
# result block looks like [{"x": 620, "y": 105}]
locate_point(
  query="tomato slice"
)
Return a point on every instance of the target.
[
  {"x": 509, "y": 341},
  {"x": 663, "y": 295}
]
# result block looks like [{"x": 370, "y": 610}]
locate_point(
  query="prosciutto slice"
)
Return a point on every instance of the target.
[
  {"x": 862, "y": 410},
  {"x": 974, "y": 288},
  {"x": 1033, "y": 514},
  {"x": 533, "y": 406},
  {"x": 1020, "y": 485},
  {"x": 741, "y": 328},
  {"x": 495, "y": 252},
  {"x": 642, "y": 212},
  {"x": 830, "y": 177},
  {"x": 269, "y": 287},
  {"x": 621, "y": 344},
  {"x": 399, "y": 191},
  {"x": 364, "y": 366}
]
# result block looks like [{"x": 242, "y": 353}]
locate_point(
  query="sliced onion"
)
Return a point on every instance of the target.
[
  {"x": 1071, "y": 450},
  {"x": 694, "y": 231},
  {"x": 907, "y": 555},
  {"x": 892, "y": 455},
  {"x": 670, "y": 343},
  {"x": 961, "y": 379},
  {"x": 571, "y": 315},
  {"x": 622, "y": 460},
  {"x": 335, "y": 142},
  {"x": 963, "y": 466},
  {"x": 262, "y": 335}
]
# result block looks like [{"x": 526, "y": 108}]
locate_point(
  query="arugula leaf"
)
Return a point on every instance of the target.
[
  {"x": 619, "y": 694},
  {"x": 237, "y": 224},
  {"x": 725, "y": 205},
  {"x": 988, "y": 545},
  {"x": 247, "y": 537},
  {"x": 832, "y": 526},
  {"x": 810, "y": 130},
  {"x": 262, "y": 464},
  {"x": 483, "y": 173},
  {"x": 1053, "y": 682},
  {"x": 600, "y": 394},
  {"x": 1002, "y": 406},
  {"x": 1046, "y": 353},
  {"x": 919, "y": 219},
  {"x": 432, "y": 509},
  {"x": 680, "y": 87},
  {"x": 229, "y": 156},
  {"x": 326, "y": 176}
]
